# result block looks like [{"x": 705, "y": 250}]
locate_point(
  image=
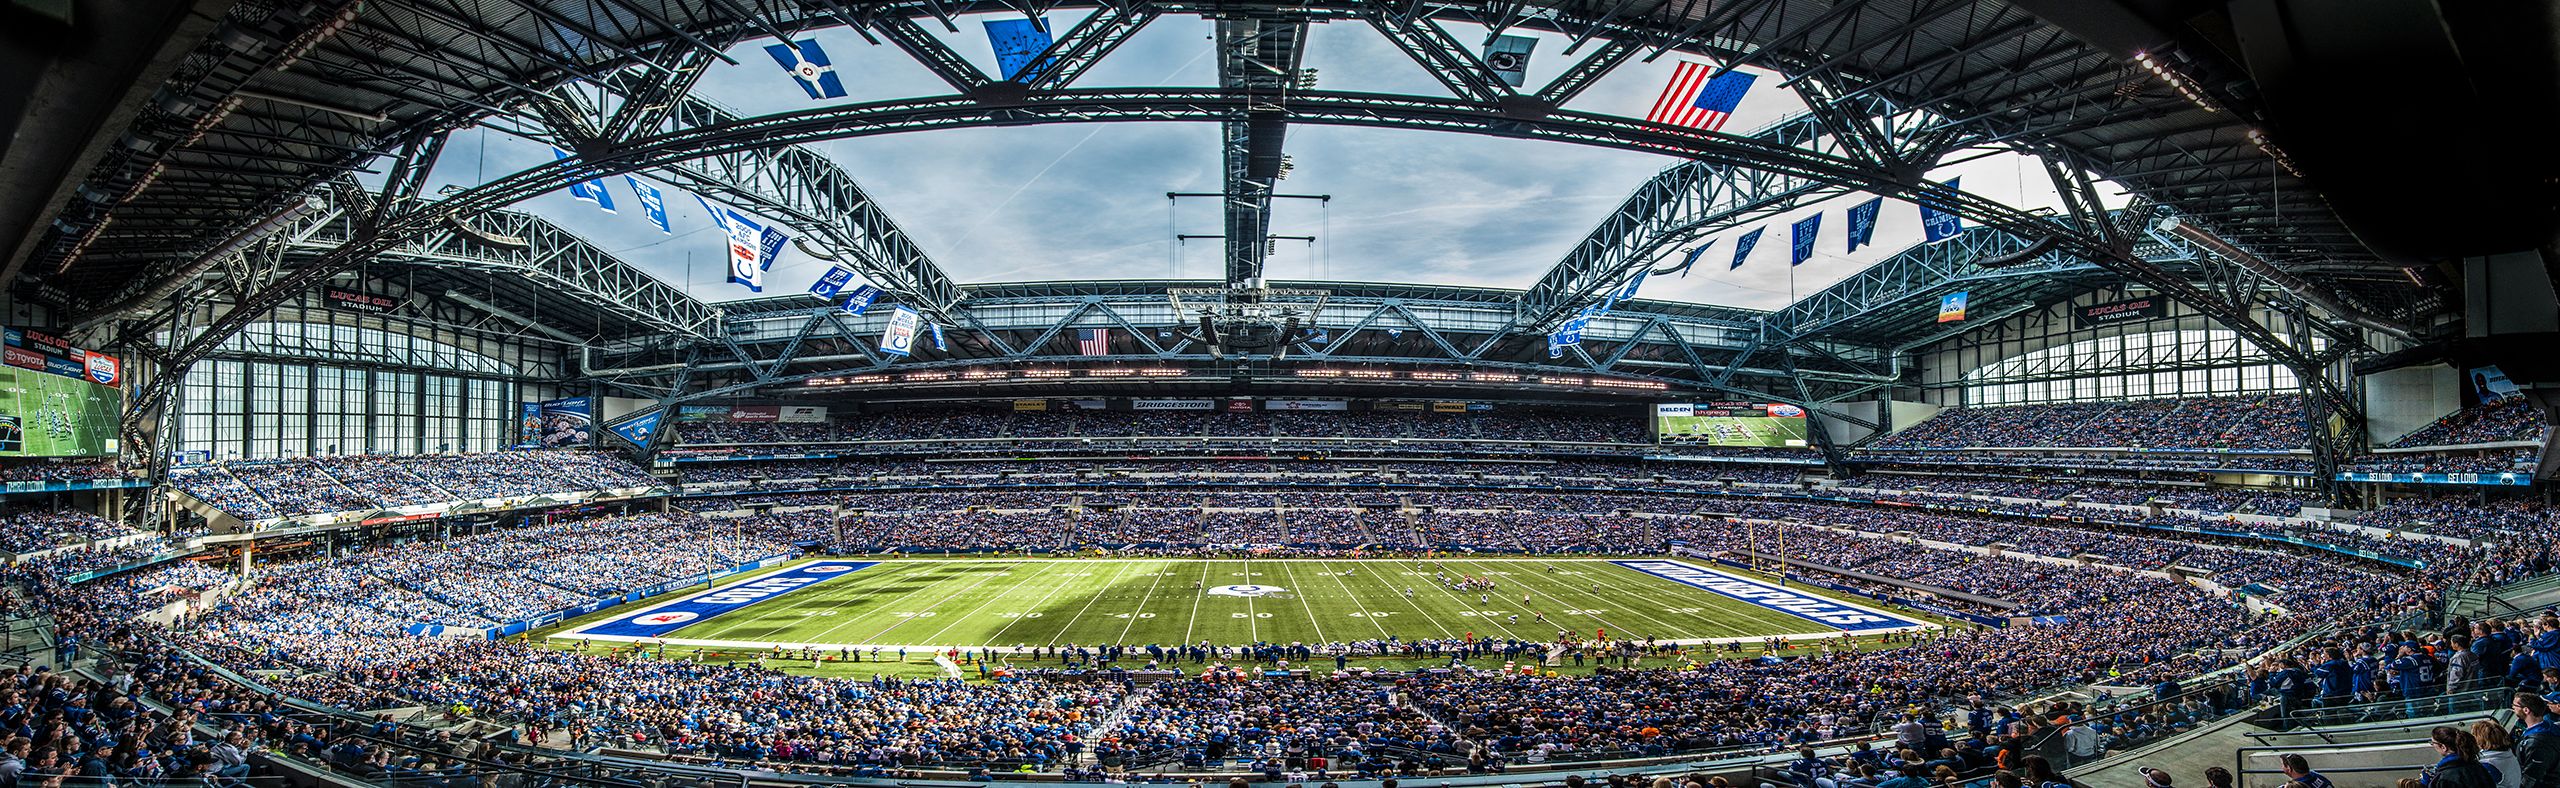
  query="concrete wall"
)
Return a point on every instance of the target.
[
  {"x": 1845, "y": 432},
  {"x": 1908, "y": 414}
]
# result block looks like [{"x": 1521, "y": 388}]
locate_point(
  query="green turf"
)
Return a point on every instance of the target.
[
  {"x": 1046, "y": 601},
  {"x": 56, "y": 416},
  {"x": 1735, "y": 430}
]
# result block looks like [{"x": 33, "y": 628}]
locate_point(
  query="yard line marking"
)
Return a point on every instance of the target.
[
  {"x": 875, "y": 636},
  {"x": 1054, "y": 588},
  {"x": 1125, "y": 629},
  {"x": 1462, "y": 604},
  {"x": 1252, "y": 629},
  {"x": 1534, "y": 588},
  {"x": 982, "y": 607},
  {"x": 1373, "y": 620},
  {"x": 1089, "y": 599},
  {"x": 1301, "y": 593},
  {"x": 1194, "y": 621},
  {"x": 831, "y": 598}
]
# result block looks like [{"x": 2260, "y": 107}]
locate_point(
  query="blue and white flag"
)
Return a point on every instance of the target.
[
  {"x": 1862, "y": 223},
  {"x": 808, "y": 64},
  {"x": 831, "y": 283},
  {"x": 899, "y": 338},
  {"x": 1321, "y": 336},
  {"x": 651, "y": 202},
  {"x": 1395, "y": 333},
  {"x": 1939, "y": 224},
  {"x": 1017, "y": 42},
  {"x": 1629, "y": 293},
  {"x": 719, "y": 217},
  {"x": 746, "y": 255},
  {"x": 1742, "y": 247},
  {"x": 937, "y": 337},
  {"x": 769, "y": 247},
  {"x": 1804, "y": 231},
  {"x": 861, "y": 299},
  {"x": 590, "y": 190}
]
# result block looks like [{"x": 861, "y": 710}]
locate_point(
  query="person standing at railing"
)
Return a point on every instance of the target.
[
  {"x": 2538, "y": 744},
  {"x": 2497, "y": 751}
]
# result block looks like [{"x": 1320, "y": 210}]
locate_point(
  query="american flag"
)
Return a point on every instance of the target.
[
  {"x": 1093, "y": 341},
  {"x": 1696, "y": 101}
]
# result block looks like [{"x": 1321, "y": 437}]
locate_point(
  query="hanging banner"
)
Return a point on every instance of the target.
[
  {"x": 1803, "y": 233},
  {"x": 746, "y": 253},
  {"x": 899, "y": 338},
  {"x": 1939, "y": 224},
  {"x": 1017, "y": 42},
  {"x": 831, "y": 282},
  {"x": 1951, "y": 307},
  {"x": 1862, "y": 222},
  {"x": 1742, "y": 247},
  {"x": 652, "y": 203},
  {"x": 357, "y": 301},
  {"x": 937, "y": 336},
  {"x": 861, "y": 299}
]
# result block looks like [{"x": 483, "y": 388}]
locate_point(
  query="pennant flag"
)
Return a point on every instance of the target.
[
  {"x": 1093, "y": 341},
  {"x": 1554, "y": 350},
  {"x": 1742, "y": 247},
  {"x": 1695, "y": 100},
  {"x": 1862, "y": 223},
  {"x": 1689, "y": 260},
  {"x": 1321, "y": 336},
  {"x": 589, "y": 190},
  {"x": 1508, "y": 56},
  {"x": 745, "y": 254},
  {"x": 719, "y": 217},
  {"x": 861, "y": 299},
  {"x": 1940, "y": 225},
  {"x": 1951, "y": 306},
  {"x": 769, "y": 247},
  {"x": 937, "y": 337},
  {"x": 1805, "y": 230},
  {"x": 831, "y": 283},
  {"x": 808, "y": 64},
  {"x": 1017, "y": 42},
  {"x": 1395, "y": 333},
  {"x": 899, "y": 338},
  {"x": 1632, "y": 284},
  {"x": 651, "y": 202}
]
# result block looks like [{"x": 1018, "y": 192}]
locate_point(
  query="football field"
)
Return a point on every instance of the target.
[
  {"x": 43, "y": 415},
  {"x": 1034, "y": 602}
]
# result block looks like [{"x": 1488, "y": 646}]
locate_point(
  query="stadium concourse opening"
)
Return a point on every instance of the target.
[{"x": 693, "y": 393}]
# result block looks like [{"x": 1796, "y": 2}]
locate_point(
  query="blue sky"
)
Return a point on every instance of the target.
[{"x": 1087, "y": 201}]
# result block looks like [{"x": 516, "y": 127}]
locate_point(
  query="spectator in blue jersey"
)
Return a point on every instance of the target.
[{"x": 2299, "y": 771}]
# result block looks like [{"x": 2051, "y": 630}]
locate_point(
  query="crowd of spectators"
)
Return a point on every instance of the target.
[
  {"x": 2510, "y": 419},
  {"x": 61, "y": 470},
  {"x": 2254, "y": 423},
  {"x": 30, "y": 529},
  {"x": 263, "y": 489},
  {"x": 1520, "y": 424}
]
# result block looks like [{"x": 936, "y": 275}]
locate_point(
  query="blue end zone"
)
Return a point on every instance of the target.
[
  {"x": 663, "y": 619},
  {"x": 1844, "y": 617}
]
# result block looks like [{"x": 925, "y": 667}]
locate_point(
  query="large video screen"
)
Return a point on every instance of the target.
[
  {"x": 1769, "y": 424},
  {"x": 48, "y": 415}
]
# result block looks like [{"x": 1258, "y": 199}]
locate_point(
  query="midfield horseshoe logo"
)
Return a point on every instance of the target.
[{"x": 1246, "y": 591}]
